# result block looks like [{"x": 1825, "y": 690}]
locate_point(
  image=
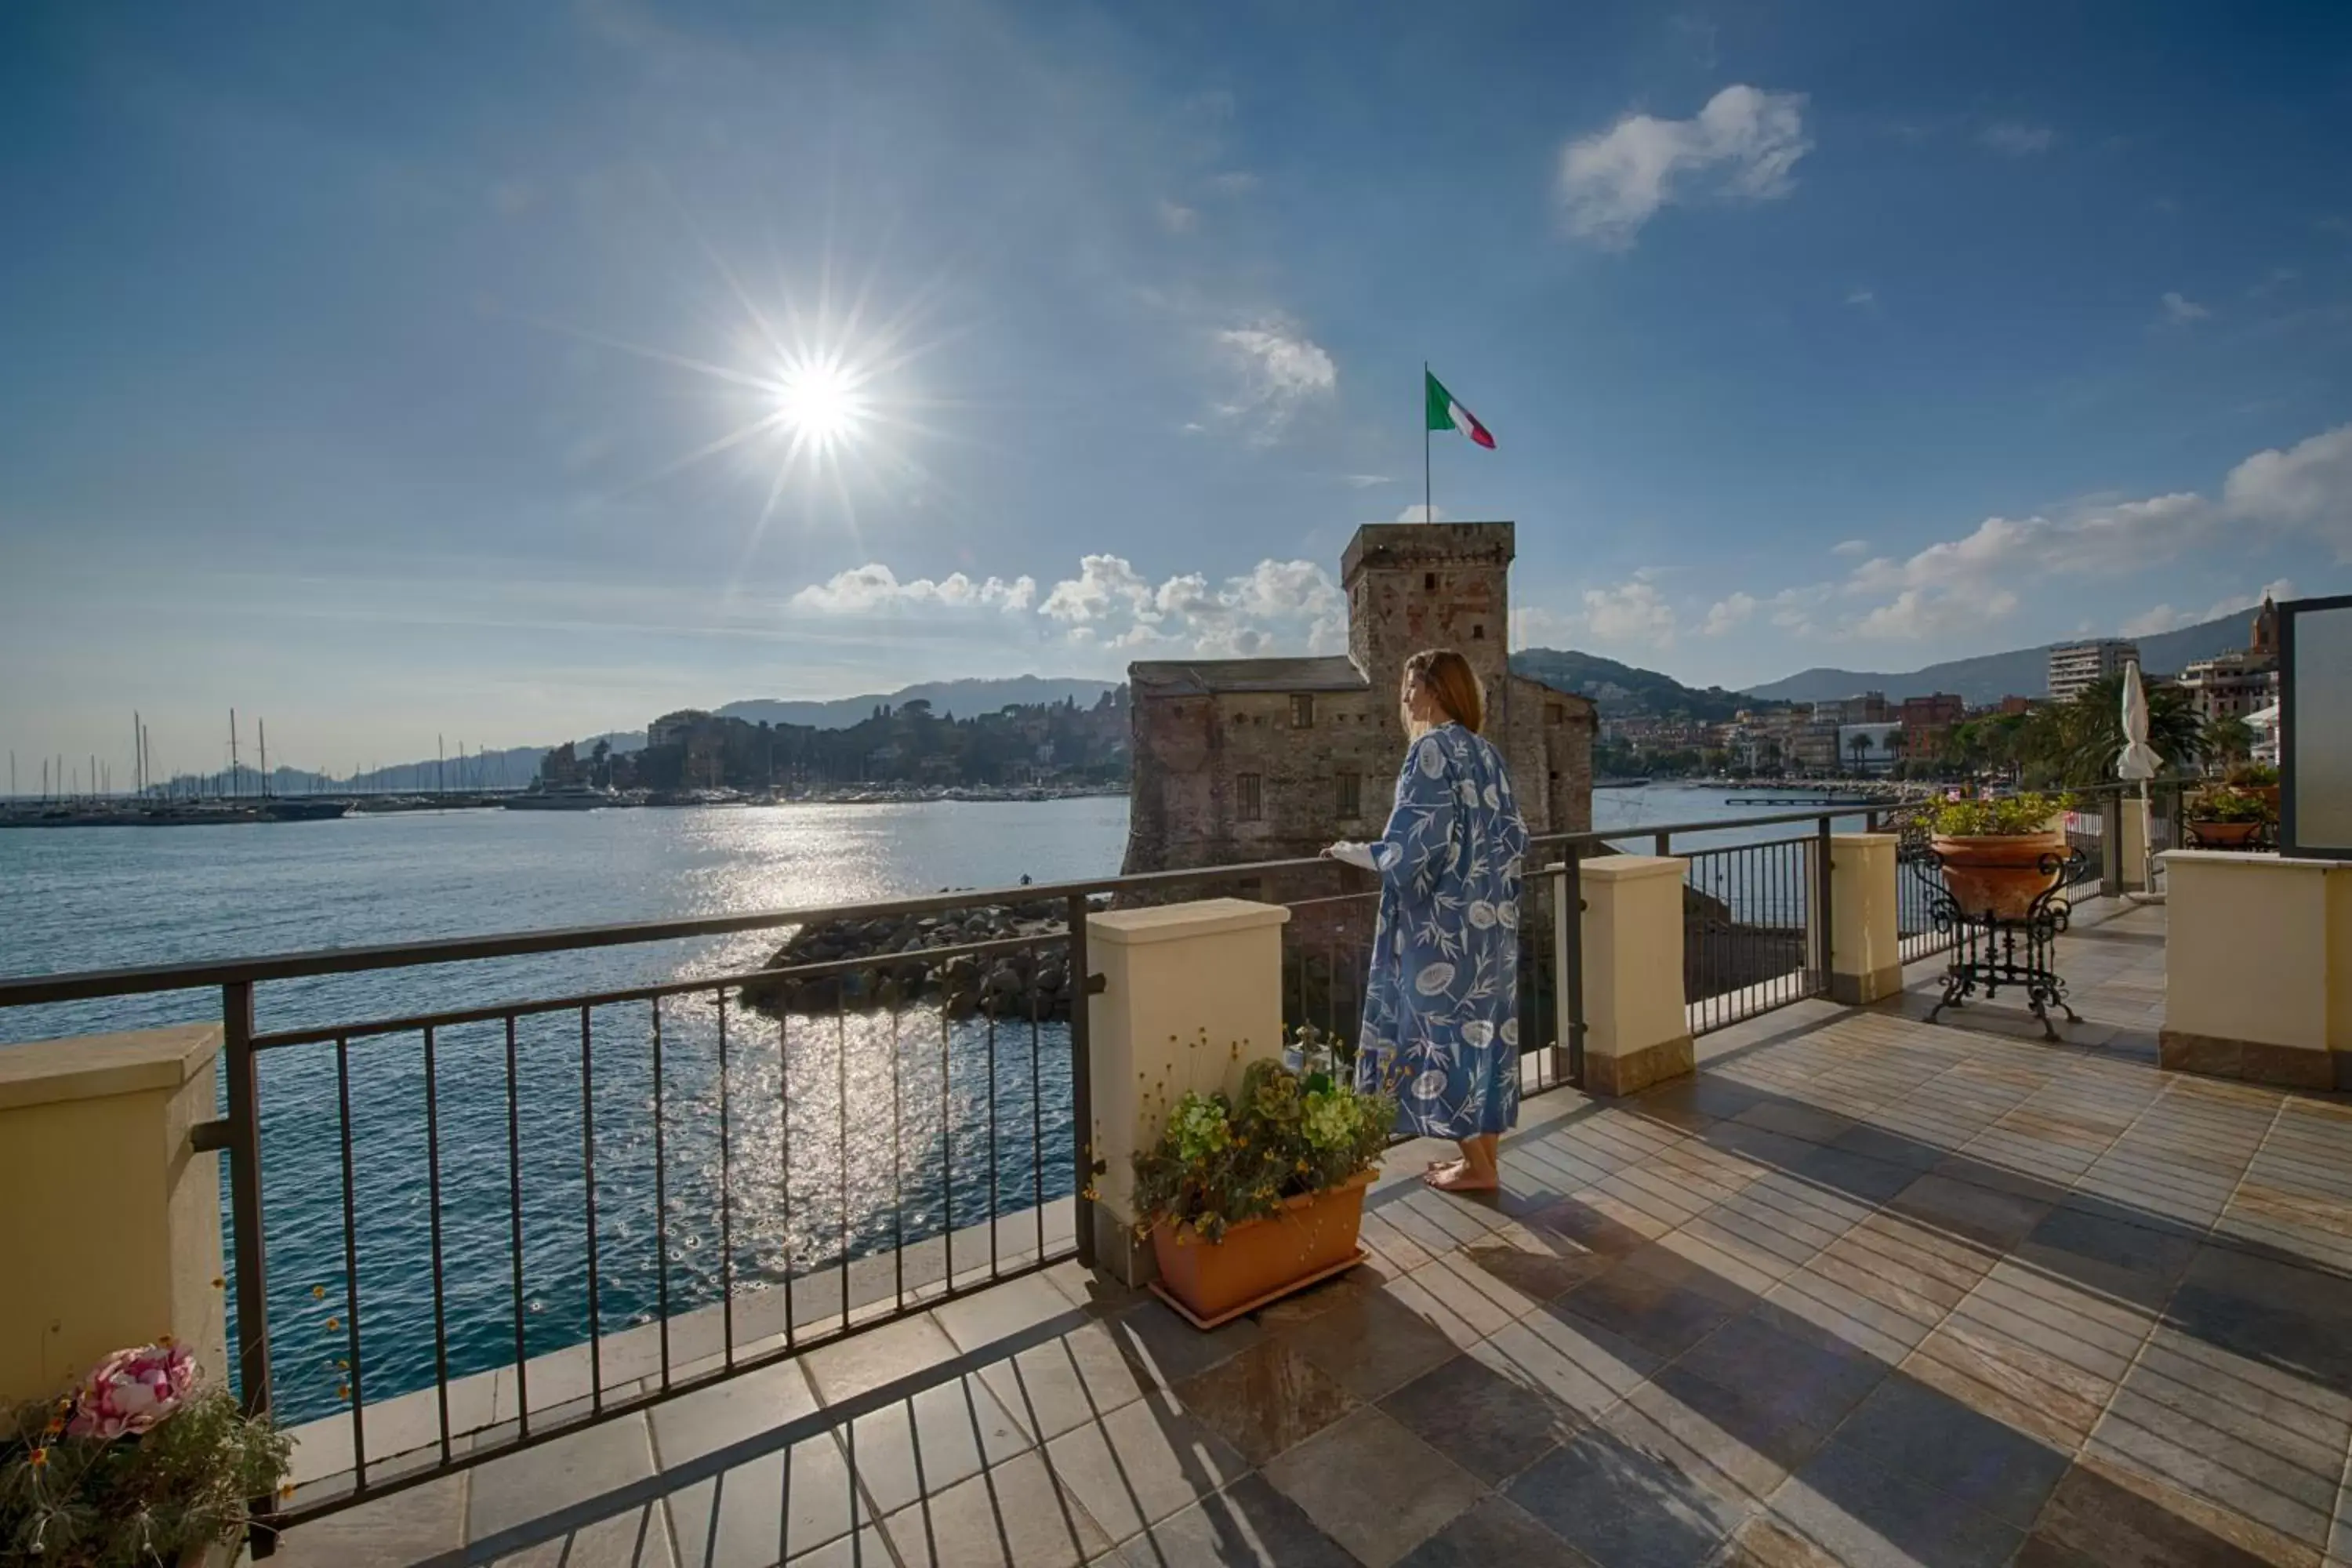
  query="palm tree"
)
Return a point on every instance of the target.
[
  {"x": 2076, "y": 743},
  {"x": 2228, "y": 738},
  {"x": 1860, "y": 747}
]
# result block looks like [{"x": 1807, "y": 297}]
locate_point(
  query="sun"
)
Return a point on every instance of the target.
[{"x": 820, "y": 400}]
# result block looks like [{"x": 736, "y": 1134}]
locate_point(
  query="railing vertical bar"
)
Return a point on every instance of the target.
[
  {"x": 661, "y": 1196},
  {"x": 1079, "y": 961},
  {"x": 432, "y": 1194},
  {"x": 995, "y": 1176},
  {"x": 1825, "y": 913},
  {"x": 514, "y": 1230},
  {"x": 726, "y": 1199},
  {"x": 1571, "y": 948},
  {"x": 946, "y": 1143},
  {"x": 353, "y": 1389},
  {"x": 245, "y": 1216},
  {"x": 1038, "y": 1125},
  {"x": 588, "y": 1191},
  {"x": 841, "y": 1068},
  {"x": 785, "y": 1164},
  {"x": 897, "y": 1163}
]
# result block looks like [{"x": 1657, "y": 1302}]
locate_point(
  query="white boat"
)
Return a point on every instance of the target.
[{"x": 562, "y": 797}]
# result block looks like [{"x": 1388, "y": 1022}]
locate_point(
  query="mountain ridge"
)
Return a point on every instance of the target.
[{"x": 2018, "y": 672}]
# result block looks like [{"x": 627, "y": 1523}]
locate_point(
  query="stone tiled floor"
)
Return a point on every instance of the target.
[{"x": 1862, "y": 1290}]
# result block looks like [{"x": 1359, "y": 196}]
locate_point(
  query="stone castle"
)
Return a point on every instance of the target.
[{"x": 1247, "y": 760}]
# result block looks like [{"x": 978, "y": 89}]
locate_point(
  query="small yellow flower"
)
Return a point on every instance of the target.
[
  {"x": 57, "y": 1425},
  {"x": 285, "y": 1490},
  {"x": 344, "y": 1391},
  {"x": 318, "y": 1293},
  {"x": 40, "y": 1458},
  {"x": 334, "y": 1323}
]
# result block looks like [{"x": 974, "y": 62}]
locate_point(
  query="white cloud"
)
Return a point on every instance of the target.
[
  {"x": 1918, "y": 613},
  {"x": 1743, "y": 146},
  {"x": 1280, "y": 372},
  {"x": 2016, "y": 138},
  {"x": 1631, "y": 613},
  {"x": 2165, "y": 618},
  {"x": 1178, "y": 218},
  {"x": 2308, "y": 486},
  {"x": 1276, "y": 605},
  {"x": 875, "y": 586},
  {"x": 1860, "y": 299},
  {"x": 1728, "y": 615},
  {"x": 1364, "y": 481},
  {"x": 1233, "y": 183},
  {"x": 2304, "y": 491},
  {"x": 1850, "y": 547},
  {"x": 1417, "y": 512},
  {"x": 2178, "y": 312},
  {"x": 1104, "y": 587}
]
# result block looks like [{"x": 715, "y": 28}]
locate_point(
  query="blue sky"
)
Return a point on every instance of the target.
[{"x": 435, "y": 369}]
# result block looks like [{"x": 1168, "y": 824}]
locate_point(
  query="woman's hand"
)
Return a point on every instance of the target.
[{"x": 1350, "y": 853}]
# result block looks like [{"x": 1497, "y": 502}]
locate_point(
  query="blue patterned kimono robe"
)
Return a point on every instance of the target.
[{"x": 1441, "y": 1027}]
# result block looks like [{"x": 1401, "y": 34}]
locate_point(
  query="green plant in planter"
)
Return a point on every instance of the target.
[
  {"x": 2227, "y": 805},
  {"x": 2252, "y": 775},
  {"x": 2008, "y": 817},
  {"x": 137, "y": 1466},
  {"x": 1218, "y": 1162}
]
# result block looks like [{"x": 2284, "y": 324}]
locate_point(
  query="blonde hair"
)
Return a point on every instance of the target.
[{"x": 1448, "y": 679}]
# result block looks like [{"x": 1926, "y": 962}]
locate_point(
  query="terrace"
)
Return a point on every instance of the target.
[{"x": 1859, "y": 1289}]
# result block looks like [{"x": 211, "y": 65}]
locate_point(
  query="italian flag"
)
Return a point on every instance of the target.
[{"x": 1446, "y": 412}]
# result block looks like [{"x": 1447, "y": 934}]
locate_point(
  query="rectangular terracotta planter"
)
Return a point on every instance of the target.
[{"x": 1311, "y": 1238}]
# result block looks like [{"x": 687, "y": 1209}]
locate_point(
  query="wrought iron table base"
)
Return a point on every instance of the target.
[{"x": 1992, "y": 950}]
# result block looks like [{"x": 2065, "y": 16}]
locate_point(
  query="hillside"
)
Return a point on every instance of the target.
[
  {"x": 958, "y": 697},
  {"x": 2021, "y": 672},
  {"x": 1622, "y": 690}
]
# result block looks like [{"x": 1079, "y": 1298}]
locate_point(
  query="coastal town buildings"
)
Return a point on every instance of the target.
[
  {"x": 2239, "y": 683},
  {"x": 2075, "y": 666}
]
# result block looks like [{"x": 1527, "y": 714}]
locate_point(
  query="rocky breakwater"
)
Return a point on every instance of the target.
[{"x": 909, "y": 960}]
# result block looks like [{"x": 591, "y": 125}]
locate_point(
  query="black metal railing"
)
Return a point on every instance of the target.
[{"x": 501, "y": 1220}]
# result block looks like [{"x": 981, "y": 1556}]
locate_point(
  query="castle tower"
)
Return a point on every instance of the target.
[
  {"x": 1413, "y": 586},
  {"x": 2266, "y": 629}
]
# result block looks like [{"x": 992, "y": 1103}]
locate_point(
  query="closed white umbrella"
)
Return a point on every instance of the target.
[{"x": 2138, "y": 760}]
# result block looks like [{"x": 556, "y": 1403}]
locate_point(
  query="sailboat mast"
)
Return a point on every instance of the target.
[
  {"x": 232, "y": 752},
  {"x": 261, "y": 730}
]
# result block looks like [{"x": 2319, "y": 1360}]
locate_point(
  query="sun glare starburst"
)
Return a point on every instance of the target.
[{"x": 820, "y": 399}]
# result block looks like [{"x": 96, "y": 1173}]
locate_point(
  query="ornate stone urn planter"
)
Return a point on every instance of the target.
[{"x": 1999, "y": 874}]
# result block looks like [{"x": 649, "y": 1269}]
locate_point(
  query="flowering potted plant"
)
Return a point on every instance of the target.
[
  {"x": 1248, "y": 1200},
  {"x": 2260, "y": 780},
  {"x": 2228, "y": 818},
  {"x": 142, "y": 1464},
  {"x": 1993, "y": 852}
]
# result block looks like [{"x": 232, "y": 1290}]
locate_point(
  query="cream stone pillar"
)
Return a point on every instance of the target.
[
  {"x": 2257, "y": 968},
  {"x": 1866, "y": 947},
  {"x": 1191, "y": 994},
  {"x": 1637, "y": 1031},
  {"x": 2134, "y": 817},
  {"x": 111, "y": 1227}
]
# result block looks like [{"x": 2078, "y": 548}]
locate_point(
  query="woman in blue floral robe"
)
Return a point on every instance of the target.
[{"x": 1440, "y": 1008}]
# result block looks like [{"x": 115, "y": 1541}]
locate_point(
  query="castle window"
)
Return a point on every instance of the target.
[
  {"x": 1478, "y": 631},
  {"x": 1250, "y": 792},
  {"x": 1351, "y": 795},
  {"x": 1302, "y": 712},
  {"x": 1429, "y": 582}
]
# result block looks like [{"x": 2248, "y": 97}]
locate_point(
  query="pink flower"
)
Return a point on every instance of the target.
[{"x": 132, "y": 1390}]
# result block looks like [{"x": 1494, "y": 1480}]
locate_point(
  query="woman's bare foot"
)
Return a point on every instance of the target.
[{"x": 1460, "y": 1178}]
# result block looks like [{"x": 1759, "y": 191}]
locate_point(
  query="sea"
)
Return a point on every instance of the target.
[{"x": 759, "y": 1153}]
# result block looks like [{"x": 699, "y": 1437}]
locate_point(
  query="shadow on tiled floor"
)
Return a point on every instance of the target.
[{"x": 1861, "y": 1291}]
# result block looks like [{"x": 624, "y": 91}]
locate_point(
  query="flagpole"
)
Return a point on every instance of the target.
[{"x": 1428, "y": 512}]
